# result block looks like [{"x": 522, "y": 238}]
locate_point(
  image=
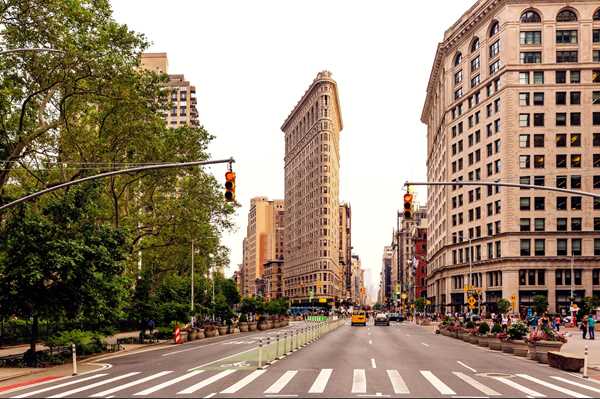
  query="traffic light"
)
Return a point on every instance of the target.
[
  {"x": 230, "y": 186},
  {"x": 408, "y": 199}
]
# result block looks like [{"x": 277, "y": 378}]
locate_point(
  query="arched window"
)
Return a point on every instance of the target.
[
  {"x": 495, "y": 28},
  {"x": 475, "y": 45},
  {"x": 566, "y": 16},
  {"x": 457, "y": 59},
  {"x": 530, "y": 16},
  {"x": 597, "y": 15}
]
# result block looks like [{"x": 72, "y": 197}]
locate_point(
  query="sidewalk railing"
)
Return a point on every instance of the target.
[{"x": 271, "y": 349}]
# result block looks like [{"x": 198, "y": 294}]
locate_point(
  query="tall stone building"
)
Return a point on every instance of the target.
[
  {"x": 387, "y": 294},
  {"x": 514, "y": 95},
  {"x": 357, "y": 278},
  {"x": 312, "y": 162},
  {"x": 182, "y": 94},
  {"x": 346, "y": 248},
  {"x": 263, "y": 242}
]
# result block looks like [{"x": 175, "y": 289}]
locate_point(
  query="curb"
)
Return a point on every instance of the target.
[{"x": 24, "y": 374}]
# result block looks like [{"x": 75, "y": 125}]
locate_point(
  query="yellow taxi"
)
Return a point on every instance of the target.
[{"x": 359, "y": 318}]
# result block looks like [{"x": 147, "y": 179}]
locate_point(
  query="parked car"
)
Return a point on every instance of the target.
[
  {"x": 382, "y": 320},
  {"x": 395, "y": 317}
]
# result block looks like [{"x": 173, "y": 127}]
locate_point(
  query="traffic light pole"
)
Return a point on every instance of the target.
[{"x": 176, "y": 165}]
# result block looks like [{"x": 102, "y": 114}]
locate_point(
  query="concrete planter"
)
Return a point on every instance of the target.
[
  {"x": 252, "y": 326},
  {"x": 244, "y": 327},
  {"x": 262, "y": 326},
  {"x": 565, "y": 361},
  {"x": 200, "y": 333},
  {"x": 474, "y": 339},
  {"x": 495, "y": 344},
  {"x": 517, "y": 347},
  {"x": 543, "y": 347},
  {"x": 484, "y": 341},
  {"x": 531, "y": 348},
  {"x": 222, "y": 330},
  {"x": 211, "y": 333}
]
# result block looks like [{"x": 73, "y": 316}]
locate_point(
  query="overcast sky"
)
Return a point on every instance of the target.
[{"x": 252, "y": 60}]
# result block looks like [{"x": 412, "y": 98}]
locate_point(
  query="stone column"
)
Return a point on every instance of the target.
[
  {"x": 510, "y": 286},
  {"x": 586, "y": 280},
  {"x": 551, "y": 286}
]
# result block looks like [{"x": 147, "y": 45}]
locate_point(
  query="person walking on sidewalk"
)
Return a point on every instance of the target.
[
  {"x": 584, "y": 326},
  {"x": 591, "y": 327}
]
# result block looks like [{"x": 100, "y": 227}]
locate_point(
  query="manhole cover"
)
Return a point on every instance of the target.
[{"x": 494, "y": 375}]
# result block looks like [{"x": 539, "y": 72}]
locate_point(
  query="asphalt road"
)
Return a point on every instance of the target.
[{"x": 401, "y": 360}]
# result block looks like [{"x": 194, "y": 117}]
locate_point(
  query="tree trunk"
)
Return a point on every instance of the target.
[{"x": 34, "y": 333}]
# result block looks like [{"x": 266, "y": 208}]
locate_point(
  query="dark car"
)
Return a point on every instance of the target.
[
  {"x": 396, "y": 317},
  {"x": 382, "y": 320}
]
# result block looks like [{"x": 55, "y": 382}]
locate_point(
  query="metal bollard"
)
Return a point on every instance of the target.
[
  {"x": 585, "y": 362},
  {"x": 260, "y": 353},
  {"x": 74, "y": 352}
]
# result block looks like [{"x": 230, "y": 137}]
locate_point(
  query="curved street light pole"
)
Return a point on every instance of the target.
[{"x": 114, "y": 173}]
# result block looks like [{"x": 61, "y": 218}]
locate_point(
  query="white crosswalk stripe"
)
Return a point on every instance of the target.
[
  {"x": 519, "y": 387},
  {"x": 577, "y": 384},
  {"x": 552, "y": 386},
  {"x": 476, "y": 384},
  {"x": 66, "y": 384},
  {"x": 244, "y": 381},
  {"x": 97, "y": 384},
  {"x": 130, "y": 384},
  {"x": 321, "y": 381},
  {"x": 359, "y": 381},
  {"x": 166, "y": 384},
  {"x": 398, "y": 383},
  {"x": 437, "y": 383},
  {"x": 281, "y": 382},
  {"x": 206, "y": 382}
]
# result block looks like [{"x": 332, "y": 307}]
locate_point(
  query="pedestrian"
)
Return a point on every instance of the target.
[
  {"x": 557, "y": 323},
  {"x": 591, "y": 327},
  {"x": 504, "y": 323},
  {"x": 584, "y": 326}
]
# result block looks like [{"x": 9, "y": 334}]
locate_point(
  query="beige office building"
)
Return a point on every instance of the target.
[
  {"x": 346, "y": 248},
  {"x": 312, "y": 162},
  {"x": 514, "y": 95},
  {"x": 263, "y": 242},
  {"x": 182, "y": 94}
]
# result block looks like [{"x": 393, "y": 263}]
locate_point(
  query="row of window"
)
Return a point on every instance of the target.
[
  {"x": 561, "y": 140},
  {"x": 562, "y": 244},
  {"x": 560, "y": 98},
  {"x": 570, "y": 36},
  {"x": 560, "y": 77},
  {"x": 562, "y": 57},
  {"x": 562, "y": 161},
  {"x": 561, "y": 119},
  {"x": 539, "y": 203},
  {"x": 562, "y": 224}
]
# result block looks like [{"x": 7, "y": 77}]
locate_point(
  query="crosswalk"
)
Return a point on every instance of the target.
[{"x": 316, "y": 382}]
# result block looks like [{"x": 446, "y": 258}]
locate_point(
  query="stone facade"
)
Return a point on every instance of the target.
[
  {"x": 312, "y": 162},
  {"x": 514, "y": 95},
  {"x": 346, "y": 248}
]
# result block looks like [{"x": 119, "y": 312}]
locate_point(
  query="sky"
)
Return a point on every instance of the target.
[{"x": 252, "y": 60}]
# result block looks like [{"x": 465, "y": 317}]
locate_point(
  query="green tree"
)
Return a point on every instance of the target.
[
  {"x": 503, "y": 306},
  {"x": 420, "y": 304},
  {"x": 59, "y": 263},
  {"x": 540, "y": 304}
]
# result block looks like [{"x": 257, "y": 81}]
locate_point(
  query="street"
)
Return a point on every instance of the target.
[{"x": 399, "y": 360}]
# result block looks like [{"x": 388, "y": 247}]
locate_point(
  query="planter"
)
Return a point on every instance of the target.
[
  {"x": 211, "y": 333},
  {"x": 484, "y": 341},
  {"x": 270, "y": 324},
  {"x": 474, "y": 339},
  {"x": 531, "y": 351},
  {"x": 495, "y": 344},
  {"x": 543, "y": 347},
  {"x": 200, "y": 334},
  {"x": 466, "y": 337},
  {"x": 236, "y": 330},
  {"x": 276, "y": 324},
  {"x": 516, "y": 347},
  {"x": 222, "y": 330},
  {"x": 193, "y": 335},
  {"x": 252, "y": 326},
  {"x": 263, "y": 326},
  {"x": 244, "y": 327}
]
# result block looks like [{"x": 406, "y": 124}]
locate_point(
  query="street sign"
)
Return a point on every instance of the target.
[
  {"x": 428, "y": 302},
  {"x": 471, "y": 301},
  {"x": 322, "y": 300}
]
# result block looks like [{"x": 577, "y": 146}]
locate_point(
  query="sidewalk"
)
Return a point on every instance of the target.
[{"x": 576, "y": 345}]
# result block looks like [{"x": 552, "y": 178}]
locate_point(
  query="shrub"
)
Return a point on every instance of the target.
[
  {"x": 86, "y": 342},
  {"x": 470, "y": 325},
  {"x": 496, "y": 328},
  {"x": 484, "y": 328},
  {"x": 517, "y": 330},
  {"x": 243, "y": 318},
  {"x": 503, "y": 306}
]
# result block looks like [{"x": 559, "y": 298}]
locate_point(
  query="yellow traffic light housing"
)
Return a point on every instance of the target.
[
  {"x": 230, "y": 186},
  {"x": 408, "y": 199}
]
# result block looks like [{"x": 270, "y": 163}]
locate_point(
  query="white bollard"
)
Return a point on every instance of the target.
[
  {"x": 585, "y": 362},
  {"x": 260, "y": 353},
  {"x": 74, "y": 352},
  {"x": 276, "y": 345}
]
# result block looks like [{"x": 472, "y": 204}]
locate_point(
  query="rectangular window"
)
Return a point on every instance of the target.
[
  {"x": 524, "y": 162},
  {"x": 566, "y": 37},
  {"x": 561, "y": 161},
  {"x": 575, "y": 160},
  {"x": 575, "y": 118},
  {"x": 458, "y": 77},
  {"x": 596, "y": 224},
  {"x": 538, "y": 120},
  {"x": 596, "y": 160},
  {"x": 596, "y": 56},
  {"x": 561, "y": 181},
  {"x": 475, "y": 64},
  {"x": 561, "y": 98},
  {"x": 540, "y": 224},
  {"x": 576, "y": 247},
  {"x": 523, "y": 99},
  {"x": 561, "y": 140},
  {"x": 561, "y": 224},
  {"x": 575, "y": 77},
  {"x": 561, "y": 77},
  {"x": 525, "y": 247},
  {"x": 576, "y": 224},
  {"x": 575, "y": 140},
  {"x": 596, "y": 36},
  {"x": 531, "y": 37},
  {"x": 538, "y": 140},
  {"x": 475, "y": 81},
  {"x": 561, "y": 247},
  {"x": 524, "y": 78},
  {"x": 561, "y": 203},
  {"x": 540, "y": 247},
  {"x": 539, "y": 203},
  {"x": 495, "y": 49},
  {"x": 575, "y": 98},
  {"x": 596, "y": 118},
  {"x": 576, "y": 182},
  {"x": 495, "y": 67},
  {"x": 596, "y": 182},
  {"x": 524, "y": 141},
  {"x": 538, "y": 98},
  {"x": 596, "y": 140},
  {"x": 525, "y": 203},
  {"x": 575, "y": 203},
  {"x": 524, "y": 120},
  {"x": 525, "y": 225},
  {"x": 561, "y": 119},
  {"x": 596, "y": 76},
  {"x": 596, "y": 97},
  {"x": 596, "y": 279},
  {"x": 531, "y": 57},
  {"x": 538, "y": 161}
]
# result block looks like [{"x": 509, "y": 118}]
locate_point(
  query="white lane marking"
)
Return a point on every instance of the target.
[
  {"x": 373, "y": 364},
  {"x": 281, "y": 396},
  {"x": 174, "y": 381},
  {"x": 397, "y": 382},
  {"x": 465, "y": 366},
  {"x": 282, "y": 382},
  {"x": 97, "y": 384},
  {"x": 370, "y": 342},
  {"x": 210, "y": 395},
  {"x": 130, "y": 384},
  {"x": 552, "y": 386},
  {"x": 321, "y": 381},
  {"x": 424, "y": 344},
  {"x": 476, "y": 384},
  {"x": 221, "y": 359},
  {"x": 437, "y": 383},
  {"x": 28, "y": 394},
  {"x": 577, "y": 384},
  {"x": 359, "y": 381},
  {"x": 531, "y": 393},
  {"x": 408, "y": 335},
  {"x": 244, "y": 381},
  {"x": 206, "y": 382}
]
